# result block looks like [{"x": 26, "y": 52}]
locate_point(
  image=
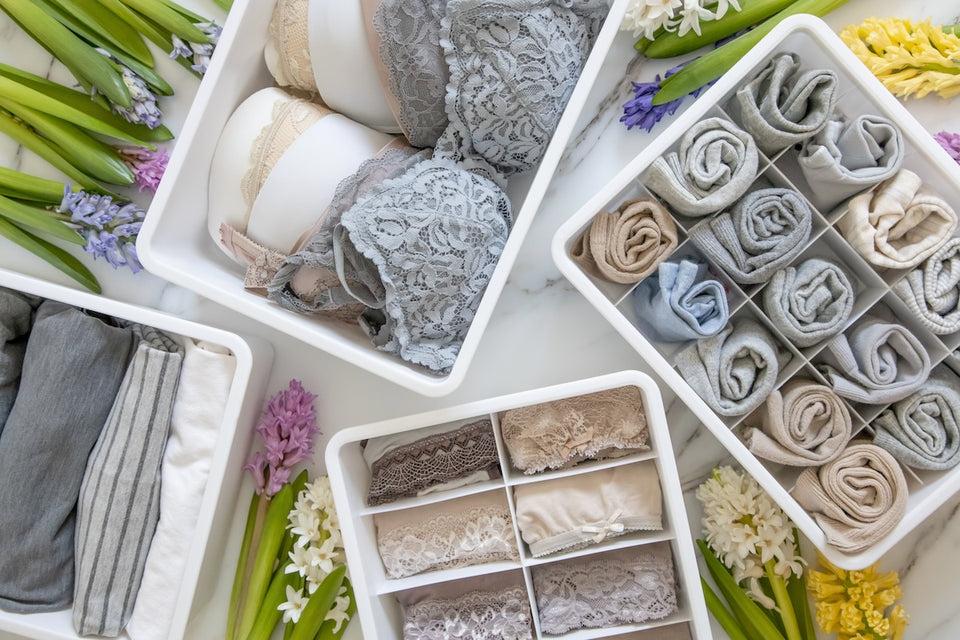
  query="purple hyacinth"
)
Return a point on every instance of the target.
[
  {"x": 198, "y": 52},
  {"x": 143, "y": 107},
  {"x": 641, "y": 112},
  {"x": 950, "y": 142},
  {"x": 147, "y": 166},
  {"x": 288, "y": 427},
  {"x": 109, "y": 228}
]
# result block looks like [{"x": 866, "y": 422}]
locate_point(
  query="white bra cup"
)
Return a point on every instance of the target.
[{"x": 343, "y": 65}]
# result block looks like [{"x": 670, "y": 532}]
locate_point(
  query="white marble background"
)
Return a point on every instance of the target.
[{"x": 542, "y": 331}]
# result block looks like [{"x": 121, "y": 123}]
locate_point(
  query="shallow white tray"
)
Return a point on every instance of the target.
[
  {"x": 380, "y": 613},
  {"x": 859, "y": 93},
  {"x": 174, "y": 243},
  {"x": 204, "y": 554}
]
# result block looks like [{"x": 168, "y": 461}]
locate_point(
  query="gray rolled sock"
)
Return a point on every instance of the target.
[
  {"x": 716, "y": 164},
  {"x": 932, "y": 291},
  {"x": 783, "y": 105},
  {"x": 680, "y": 303},
  {"x": 923, "y": 430},
  {"x": 764, "y": 232},
  {"x": 119, "y": 501},
  {"x": 735, "y": 370},
  {"x": 847, "y": 157},
  {"x": 71, "y": 372},
  {"x": 16, "y": 315},
  {"x": 810, "y": 302}
]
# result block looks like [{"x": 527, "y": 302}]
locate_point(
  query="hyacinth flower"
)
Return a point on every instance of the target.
[
  {"x": 653, "y": 18},
  {"x": 287, "y": 429},
  {"x": 640, "y": 110},
  {"x": 109, "y": 227},
  {"x": 950, "y": 143},
  {"x": 910, "y": 59}
]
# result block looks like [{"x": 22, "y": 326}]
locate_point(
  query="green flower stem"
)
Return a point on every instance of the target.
[
  {"x": 326, "y": 629},
  {"x": 670, "y": 44},
  {"x": 93, "y": 18},
  {"x": 38, "y": 220},
  {"x": 22, "y": 186},
  {"x": 714, "y": 64},
  {"x": 311, "y": 619},
  {"x": 24, "y": 136},
  {"x": 269, "y": 614},
  {"x": 171, "y": 20},
  {"x": 255, "y": 515},
  {"x": 75, "y": 54},
  {"x": 720, "y": 613},
  {"x": 797, "y": 587},
  {"x": 780, "y": 594},
  {"x": 298, "y": 485},
  {"x": 51, "y": 253}
]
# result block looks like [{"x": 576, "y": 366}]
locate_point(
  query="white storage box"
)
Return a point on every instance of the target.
[
  {"x": 174, "y": 243},
  {"x": 204, "y": 554},
  {"x": 377, "y": 604},
  {"x": 859, "y": 93}
]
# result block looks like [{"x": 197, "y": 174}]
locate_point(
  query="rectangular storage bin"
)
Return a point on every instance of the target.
[
  {"x": 379, "y": 610},
  {"x": 174, "y": 243},
  {"x": 204, "y": 554},
  {"x": 859, "y": 93}
]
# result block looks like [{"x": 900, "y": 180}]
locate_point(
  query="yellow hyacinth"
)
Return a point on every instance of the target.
[
  {"x": 852, "y": 603},
  {"x": 910, "y": 59}
]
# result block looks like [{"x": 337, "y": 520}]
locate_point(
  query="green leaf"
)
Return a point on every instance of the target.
[
  {"x": 298, "y": 485},
  {"x": 720, "y": 613},
  {"x": 38, "y": 220},
  {"x": 53, "y": 254},
  {"x": 797, "y": 587},
  {"x": 169, "y": 19},
  {"x": 326, "y": 630},
  {"x": 311, "y": 618},
  {"x": 22, "y": 186},
  {"x": 24, "y": 136},
  {"x": 714, "y": 64},
  {"x": 151, "y": 77},
  {"x": 244, "y": 566},
  {"x": 152, "y": 32},
  {"x": 92, "y": 19},
  {"x": 77, "y": 55},
  {"x": 186, "y": 13},
  {"x": 269, "y": 616}
]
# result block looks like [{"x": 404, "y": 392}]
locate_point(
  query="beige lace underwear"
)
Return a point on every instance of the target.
[
  {"x": 290, "y": 37},
  {"x": 552, "y": 435}
]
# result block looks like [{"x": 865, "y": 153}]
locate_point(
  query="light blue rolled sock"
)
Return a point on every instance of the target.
[{"x": 680, "y": 303}]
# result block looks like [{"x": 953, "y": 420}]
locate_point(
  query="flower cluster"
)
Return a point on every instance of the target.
[
  {"x": 288, "y": 426},
  {"x": 950, "y": 142},
  {"x": 910, "y": 59},
  {"x": 317, "y": 550},
  {"x": 746, "y": 529},
  {"x": 640, "y": 110},
  {"x": 143, "y": 107},
  {"x": 110, "y": 228},
  {"x": 852, "y": 603},
  {"x": 198, "y": 53},
  {"x": 647, "y": 17},
  {"x": 147, "y": 166}
]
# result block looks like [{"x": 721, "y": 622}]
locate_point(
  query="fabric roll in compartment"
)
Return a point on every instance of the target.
[
  {"x": 735, "y": 370},
  {"x": 764, "y": 232},
  {"x": 848, "y": 156},
  {"x": 715, "y": 165},
  {"x": 879, "y": 362},
  {"x": 16, "y": 316},
  {"x": 810, "y": 302},
  {"x": 899, "y": 224},
  {"x": 923, "y": 430},
  {"x": 803, "y": 424},
  {"x": 857, "y": 498},
  {"x": 432, "y": 459},
  {"x": 932, "y": 291},
  {"x": 627, "y": 245},
  {"x": 783, "y": 105},
  {"x": 680, "y": 303}
]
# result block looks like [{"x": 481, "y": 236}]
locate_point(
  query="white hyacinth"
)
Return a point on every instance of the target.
[
  {"x": 648, "y": 16},
  {"x": 745, "y": 529}
]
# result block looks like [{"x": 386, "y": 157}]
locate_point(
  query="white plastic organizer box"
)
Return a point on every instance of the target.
[
  {"x": 203, "y": 556},
  {"x": 378, "y": 594},
  {"x": 859, "y": 93},
  {"x": 174, "y": 243}
]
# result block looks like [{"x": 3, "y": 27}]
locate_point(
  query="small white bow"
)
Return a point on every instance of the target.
[{"x": 605, "y": 529}]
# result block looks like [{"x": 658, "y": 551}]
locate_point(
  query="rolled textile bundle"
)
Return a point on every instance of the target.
[
  {"x": 16, "y": 316},
  {"x": 626, "y": 246},
  {"x": 923, "y": 430},
  {"x": 878, "y": 363},
  {"x": 783, "y": 105},
  {"x": 733, "y": 371},
  {"x": 849, "y": 156},
  {"x": 899, "y": 224},
  {"x": 488, "y": 607},
  {"x": 803, "y": 424},
  {"x": 810, "y": 302},
  {"x": 764, "y": 232},
  {"x": 680, "y": 303},
  {"x": 857, "y": 498},
  {"x": 932, "y": 291},
  {"x": 716, "y": 164}
]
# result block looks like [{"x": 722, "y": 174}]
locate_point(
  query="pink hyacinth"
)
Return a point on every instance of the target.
[
  {"x": 288, "y": 427},
  {"x": 147, "y": 166},
  {"x": 950, "y": 142}
]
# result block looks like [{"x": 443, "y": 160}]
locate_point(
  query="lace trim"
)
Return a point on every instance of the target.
[
  {"x": 594, "y": 533},
  {"x": 290, "y": 37},
  {"x": 479, "y": 615},
  {"x": 552, "y": 435},
  {"x": 475, "y": 536},
  {"x": 289, "y": 119},
  {"x": 513, "y": 65},
  {"x": 409, "y": 32},
  {"x": 605, "y": 591},
  {"x": 407, "y": 470}
]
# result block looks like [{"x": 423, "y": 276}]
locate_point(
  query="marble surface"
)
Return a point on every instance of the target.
[{"x": 542, "y": 331}]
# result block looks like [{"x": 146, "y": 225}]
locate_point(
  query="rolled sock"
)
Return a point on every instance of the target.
[
  {"x": 44, "y": 447},
  {"x": 810, "y": 302},
  {"x": 922, "y": 430},
  {"x": 932, "y": 291},
  {"x": 680, "y": 303}
]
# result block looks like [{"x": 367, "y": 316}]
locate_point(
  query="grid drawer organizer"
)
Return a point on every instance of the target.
[
  {"x": 379, "y": 595},
  {"x": 858, "y": 93}
]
